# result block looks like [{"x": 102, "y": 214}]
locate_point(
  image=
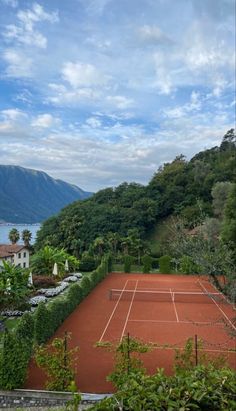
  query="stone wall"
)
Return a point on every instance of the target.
[{"x": 36, "y": 398}]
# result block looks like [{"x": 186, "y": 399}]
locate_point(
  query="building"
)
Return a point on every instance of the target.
[{"x": 15, "y": 254}]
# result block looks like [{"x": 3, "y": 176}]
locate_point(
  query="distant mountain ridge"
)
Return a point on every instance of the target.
[{"x": 31, "y": 196}]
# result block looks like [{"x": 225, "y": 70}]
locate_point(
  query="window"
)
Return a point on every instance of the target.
[
  {"x": 24, "y": 254},
  {"x": 19, "y": 255},
  {"x": 24, "y": 265}
]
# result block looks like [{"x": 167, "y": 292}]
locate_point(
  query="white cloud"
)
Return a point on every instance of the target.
[
  {"x": 153, "y": 35},
  {"x": 24, "y": 32},
  {"x": 120, "y": 102},
  {"x": 94, "y": 122},
  {"x": 45, "y": 121},
  {"x": 19, "y": 65},
  {"x": 82, "y": 75},
  {"x": 11, "y": 3},
  {"x": 13, "y": 114}
]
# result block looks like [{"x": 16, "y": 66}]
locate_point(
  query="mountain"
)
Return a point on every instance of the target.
[{"x": 31, "y": 196}]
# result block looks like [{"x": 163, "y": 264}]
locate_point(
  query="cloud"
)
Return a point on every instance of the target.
[
  {"x": 13, "y": 114},
  {"x": 24, "y": 32},
  {"x": 120, "y": 102},
  {"x": 45, "y": 121},
  {"x": 94, "y": 122},
  {"x": 82, "y": 75},
  {"x": 11, "y": 3},
  {"x": 153, "y": 35},
  {"x": 194, "y": 105},
  {"x": 19, "y": 65}
]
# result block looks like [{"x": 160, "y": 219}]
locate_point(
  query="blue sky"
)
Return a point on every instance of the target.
[{"x": 97, "y": 92}]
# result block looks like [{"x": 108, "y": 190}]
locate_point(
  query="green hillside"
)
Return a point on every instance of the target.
[{"x": 181, "y": 188}]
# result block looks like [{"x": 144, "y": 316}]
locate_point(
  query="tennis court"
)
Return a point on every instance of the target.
[{"x": 162, "y": 309}]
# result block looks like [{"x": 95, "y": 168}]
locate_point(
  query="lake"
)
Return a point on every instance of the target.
[{"x": 5, "y": 228}]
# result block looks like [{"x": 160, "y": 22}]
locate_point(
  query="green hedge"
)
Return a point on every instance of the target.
[
  {"x": 40, "y": 326},
  {"x": 16, "y": 353},
  {"x": 165, "y": 264}
]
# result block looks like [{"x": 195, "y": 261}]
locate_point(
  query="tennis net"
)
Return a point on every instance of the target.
[{"x": 165, "y": 296}]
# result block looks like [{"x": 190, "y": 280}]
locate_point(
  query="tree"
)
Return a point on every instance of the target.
[
  {"x": 220, "y": 192},
  {"x": 229, "y": 140},
  {"x": 13, "y": 286},
  {"x": 99, "y": 245},
  {"x": 229, "y": 219},
  {"x": 26, "y": 236},
  {"x": 58, "y": 362},
  {"x": 43, "y": 261},
  {"x": 14, "y": 235}
]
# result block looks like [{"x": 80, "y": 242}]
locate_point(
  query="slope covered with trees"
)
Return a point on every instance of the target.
[{"x": 182, "y": 188}]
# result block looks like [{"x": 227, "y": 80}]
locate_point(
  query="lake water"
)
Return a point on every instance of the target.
[{"x": 5, "y": 228}]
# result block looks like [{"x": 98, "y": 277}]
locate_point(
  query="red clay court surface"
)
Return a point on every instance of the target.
[{"x": 99, "y": 318}]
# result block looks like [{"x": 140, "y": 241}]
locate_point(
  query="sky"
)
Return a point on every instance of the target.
[{"x": 98, "y": 92}]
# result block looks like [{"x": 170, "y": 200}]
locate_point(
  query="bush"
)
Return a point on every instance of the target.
[
  {"x": 165, "y": 264},
  {"x": 86, "y": 285},
  {"x": 43, "y": 281},
  {"x": 87, "y": 263},
  {"x": 187, "y": 265},
  {"x": 147, "y": 263},
  {"x": 127, "y": 263},
  {"x": 42, "y": 332}
]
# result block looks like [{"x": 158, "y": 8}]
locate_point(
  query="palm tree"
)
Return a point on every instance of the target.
[
  {"x": 26, "y": 236},
  {"x": 14, "y": 235},
  {"x": 99, "y": 245}
]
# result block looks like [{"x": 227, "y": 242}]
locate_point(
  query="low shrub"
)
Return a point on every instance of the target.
[
  {"x": 43, "y": 281},
  {"x": 165, "y": 264},
  {"x": 147, "y": 263}
]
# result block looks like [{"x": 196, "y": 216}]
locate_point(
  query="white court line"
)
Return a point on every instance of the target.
[
  {"x": 180, "y": 322},
  {"x": 130, "y": 306},
  {"x": 113, "y": 312},
  {"x": 176, "y": 314},
  {"x": 227, "y": 318}
]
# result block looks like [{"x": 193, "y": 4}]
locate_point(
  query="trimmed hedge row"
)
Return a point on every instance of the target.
[{"x": 38, "y": 327}]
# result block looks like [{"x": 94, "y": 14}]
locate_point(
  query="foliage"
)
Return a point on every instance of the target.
[
  {"x": 13, "y": 286},
  {"x": 128, "y": 259},
  {"x": 201, "y": 388},
  {"x": 14, "y": 235},
  {"x": 210, "y": 258},
  {"x": 73, "y": 405},
  {"x": 43, "y": 261},
  {"x": 147, "y": 263},
  {"x": 119, "y": 219},
  {"x": 15, "y": 353},
  {"x": 165, "y": 264},
  {"x": 42, "y": 332},
  {"x": 87, "y": 262},
  {"x": 58, "y": 362},
  {"x": 229, "y": 219},
  {"x": 192, "y": 387},
  {"x": 127, "y": 361},
  {"x": 26, "y": 236},
  {"x": 220, "y": 192},
  {"x": 44, "y": 281},
  {"x": 187, "y": 265}
]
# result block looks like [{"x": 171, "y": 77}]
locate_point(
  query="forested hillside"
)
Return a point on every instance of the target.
[{"x": 181, "y": 188}]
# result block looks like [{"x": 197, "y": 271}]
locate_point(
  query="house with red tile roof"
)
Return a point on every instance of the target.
[{"x": 15, "y": 254}]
